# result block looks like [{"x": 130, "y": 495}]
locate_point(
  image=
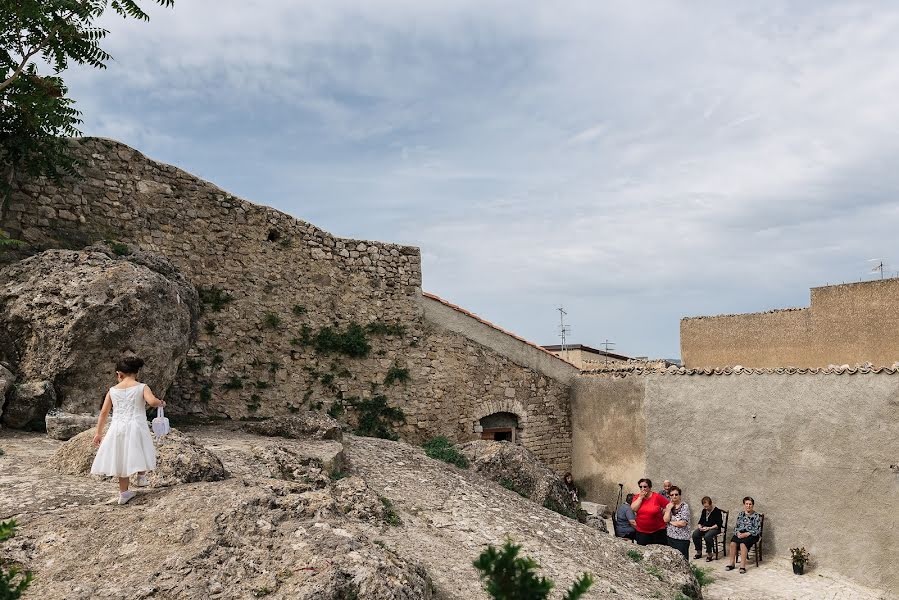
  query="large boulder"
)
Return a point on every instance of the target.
[
  {"x": 516, "y": 468},
  {"x": 28, "y": 403},
  {"x": 179, "y": 459},
  {"x": 7, "y": 379},
  {"x": 67, "y": 317},
  {"x": 307, "y": 425},
  {"x": 64, "y": 426}
]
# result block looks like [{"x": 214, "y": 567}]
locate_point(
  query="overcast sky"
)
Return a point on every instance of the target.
[{"x": 636, "y": 162}]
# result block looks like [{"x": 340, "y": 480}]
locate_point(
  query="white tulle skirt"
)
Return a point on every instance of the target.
[{"x": 126, "y": 449}]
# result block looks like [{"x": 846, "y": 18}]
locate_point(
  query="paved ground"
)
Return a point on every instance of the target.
[{"x": 774, "y": 580}]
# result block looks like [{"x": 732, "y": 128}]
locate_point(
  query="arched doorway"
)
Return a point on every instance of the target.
[{"x": 500, "y": 426}]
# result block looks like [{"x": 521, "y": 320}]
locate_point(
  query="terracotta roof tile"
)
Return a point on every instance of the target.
[{"x": 625, "y": 370}]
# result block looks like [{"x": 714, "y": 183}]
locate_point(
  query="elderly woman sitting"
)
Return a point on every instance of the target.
[
  {"x": 711, "y": 522},
  {"x": 746, "y": 533}
]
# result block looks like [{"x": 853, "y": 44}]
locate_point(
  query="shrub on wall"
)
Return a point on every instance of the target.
[
  {"x": 350, "y": 341},
  {"x": 442, "y": 449},
  {"x": 376, "y": 418}
]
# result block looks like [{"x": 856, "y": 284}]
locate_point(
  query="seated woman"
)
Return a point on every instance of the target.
[
  {"x": 649, "y": 505},
  {"x": 746, "y": 533},
  {"x": 626, "y": 520},
  {"x": 711, "y": 523},
  {"x": 677, "y": 515}
]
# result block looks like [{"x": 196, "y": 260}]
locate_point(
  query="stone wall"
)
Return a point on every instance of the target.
[
  {"x": 814, "y": 449},
  {"x": 276, "y": 291},
  {"x": 851, "y": 324}
]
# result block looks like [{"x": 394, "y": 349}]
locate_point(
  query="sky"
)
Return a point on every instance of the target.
[{"x": 634, "y": 162}]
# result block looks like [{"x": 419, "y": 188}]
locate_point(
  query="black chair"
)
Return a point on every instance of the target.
[
  {"x": 720, "y": 539},
  {"x": 757, "y": 548}
]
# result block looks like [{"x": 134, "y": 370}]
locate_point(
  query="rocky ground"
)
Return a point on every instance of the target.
[{"x": 297, "y": 518}]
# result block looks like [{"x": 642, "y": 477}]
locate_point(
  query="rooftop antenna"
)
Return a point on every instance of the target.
[
  {"x": 878, "y": 267},
  {"x": 607, "y": 345},
  {"x": 564, "y": 329}
]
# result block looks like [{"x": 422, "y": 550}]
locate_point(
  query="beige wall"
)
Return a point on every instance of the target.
[
  {"x": 844, "y": 324},
  {"x": 814, "y": 450},
  {"x": 608, "y": 435},
  {"x": 586, "y": 360}
]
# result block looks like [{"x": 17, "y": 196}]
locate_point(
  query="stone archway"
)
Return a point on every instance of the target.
[{"x": 500, "y": 420}]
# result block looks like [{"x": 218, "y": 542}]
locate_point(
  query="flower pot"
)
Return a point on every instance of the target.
[{"x": 798, "y": 568}]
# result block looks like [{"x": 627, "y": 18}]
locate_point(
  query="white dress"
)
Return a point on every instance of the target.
[{"x": 127, "y": 447}]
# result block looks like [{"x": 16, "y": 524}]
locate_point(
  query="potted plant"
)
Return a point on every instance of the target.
[{"x": 800, "y": 556}]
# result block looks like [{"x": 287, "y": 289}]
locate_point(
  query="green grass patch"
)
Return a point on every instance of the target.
[
  {"x": 235, "y": 383},
  {"x": 215, "y": 298},
  {"x": 382, "y": 328},
  {"x": 390, "y": 514},
  {"x": 396, "y": 373},
  {"x": 442, "y": 449},
  {"x": 635, "y": 555},
  {"x": 271, "y": 320},
  {"x": 510, "y": 485},
  {"x": 703, "y": 576},
  {"x": 350, "y": 341},
  {"x": 298, "y": 310},
  {"x": 654, "y": 571}
]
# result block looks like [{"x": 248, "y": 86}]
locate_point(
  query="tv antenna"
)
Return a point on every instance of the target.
[
  {"x": 879, "y": 267},
  {"x": 564, "y": 329},
  {"x": 607, "y": 345}
]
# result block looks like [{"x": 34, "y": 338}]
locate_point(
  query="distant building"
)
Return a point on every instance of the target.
[
  {"x": 586, "y": 358},
  {"x": 853, "y": 323}
]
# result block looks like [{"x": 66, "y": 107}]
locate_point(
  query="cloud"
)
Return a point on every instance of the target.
[{"x": 641, "y": 162}]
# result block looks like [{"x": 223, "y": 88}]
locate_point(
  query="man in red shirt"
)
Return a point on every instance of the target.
[{"x": 649, "y": 506}]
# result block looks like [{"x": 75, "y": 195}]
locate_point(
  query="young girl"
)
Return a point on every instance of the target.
[{"x": 127, "y": 447}]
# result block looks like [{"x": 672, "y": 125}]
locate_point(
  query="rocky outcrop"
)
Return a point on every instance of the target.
[
  {"x": 179, "y": 459},
  {"x": 304, "y": 425},
  {"x": 27, "y": 405},
  {"x": 66, "y": 317},
  {"x": 516, "y": 468},
  {"x": 64, "y": 426},
  {"x": 7, "y": 379}
]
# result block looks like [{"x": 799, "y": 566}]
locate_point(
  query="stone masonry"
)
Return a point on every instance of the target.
[{"x": 269, "y": 285}]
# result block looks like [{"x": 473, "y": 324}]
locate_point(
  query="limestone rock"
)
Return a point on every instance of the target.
[
  {"x": 67, "y": 317},
  {"x": 28, "y": 404},
  {"x": 179, "y": 459},
  {"x": 7, "y": 379},
  {"x": 515, "y": 467},
  {"x": 64, "y": 426},
  {"x": 304, "y": 425},
  {"x": 596, "y": 522}
]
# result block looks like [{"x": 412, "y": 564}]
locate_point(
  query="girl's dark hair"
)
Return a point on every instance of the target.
[
  {"x": 129, "y": 365},
  {"x": 567, "y": 475},
  {"x": 648, "y": 482},
  {"x": 750, "y": 498},
  {"x": 674, "y": 488}
]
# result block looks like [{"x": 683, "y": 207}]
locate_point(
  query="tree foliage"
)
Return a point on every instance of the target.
[
  {"x": 507, "y": 576},
  {"x": 36, "y": 113},
  {"x": 12, "y": 585}
]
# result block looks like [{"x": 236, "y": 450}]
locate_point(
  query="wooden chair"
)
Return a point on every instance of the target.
[
  {"x": 757, "y": 548},
  {"x": 720, "y": 539}
]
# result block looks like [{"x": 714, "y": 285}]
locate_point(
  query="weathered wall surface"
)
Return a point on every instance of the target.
[
  {"x": 608, "y": 435},
  {"x": 845, "y": 324},
  {"x": 492, "y": 371},
  {"x": 813, "y": 449},
  {"x": 256, "y": 355}
]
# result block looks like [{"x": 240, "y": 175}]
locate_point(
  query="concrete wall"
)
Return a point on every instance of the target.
[
  {"x": 844, "y": 324},
  {"x": 814, "y": 450},
  {"x": 608, "y": 435}
]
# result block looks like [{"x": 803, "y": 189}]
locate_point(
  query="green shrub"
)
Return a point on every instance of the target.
[
  {"x": 2, "y": 452},
  {"x": 336, "y": 409},
  {"x": 337, "y": 475},
  {"x": 635, "y": 555},
  {"x": 351, "y": 341},
  {"x": 442, "y": 449},
  {"x": 118, "y": 248},
  {"x": 376, "y": 417},
  {"x": 217, "y": 358},
  {"x": 273, "y": 367},
  {"x": 261, "y": 385},
  {"x": 327, "y": 378},
  {"x": 382, "y": 328},
  {"x": 298, "y": 310},
  {"x": 510, "y": 485},
  {"x": 235, "y": 383},
  {"x": 206, "y": 393},
  {"x": 271, "y": 320},
  {"x": 209, "y": 326},
  {"x": 214, "y": 297},
  {"x": 654, "y": 571},
  {"x": 396, "y": 373},
  {"x": 12, "y": 585},
  {"x": 194, "y": 365},
  {"x": 390, "y": 515},
  {"x": 703, "y": 576},
  {"x": 506, "y": 576}
]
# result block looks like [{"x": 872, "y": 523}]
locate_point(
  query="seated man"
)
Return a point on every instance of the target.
[{"x": 626, "y": 520}]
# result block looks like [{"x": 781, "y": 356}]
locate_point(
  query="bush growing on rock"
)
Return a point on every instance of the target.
[
  {"x": 441, "y": 448},
  {"x": 11, "y": 584},
  {"x": 506, "y": 576}
]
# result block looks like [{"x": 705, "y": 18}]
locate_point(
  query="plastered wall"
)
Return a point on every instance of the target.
[
  {"x": 814, "y": 450},
  {"x": 844, "y": 324}
]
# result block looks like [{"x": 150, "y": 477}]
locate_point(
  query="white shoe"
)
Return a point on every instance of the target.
[
  {"x": 125, "y": 497},
  {"x": 142, "y": 481}
]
